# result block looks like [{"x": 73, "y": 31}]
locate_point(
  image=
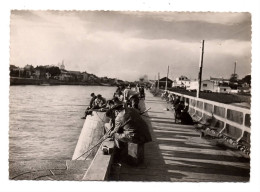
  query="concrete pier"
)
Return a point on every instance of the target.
[{"x": 178, "y": 154}]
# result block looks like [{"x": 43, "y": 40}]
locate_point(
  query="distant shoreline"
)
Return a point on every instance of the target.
[{"x": 42, "y": 82}]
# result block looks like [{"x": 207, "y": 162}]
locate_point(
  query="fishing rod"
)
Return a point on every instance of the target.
[
  {"x": 99, "y": 142},
  {"x": 102, "y": 139},
  {"x": 145, "y": 111}
]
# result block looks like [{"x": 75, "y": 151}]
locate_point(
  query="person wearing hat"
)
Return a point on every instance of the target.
[
  {"x": 100, "y": 102},
  {"x": 131, "y": 98},
  {"x": 88, "y": 110},
  {"x": 129, "y": 128}
]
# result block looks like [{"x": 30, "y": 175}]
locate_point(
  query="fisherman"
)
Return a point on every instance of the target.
[
  {"x": 119, "y": 95},
  {"x": 119, "y": 89},
  {"x": 129, "y": 128},
  {"x": 185, "y": 117},
  {"x": 117, "y": 101},
  {"x": 137, "y": 87},
  {"x": 131, "y": 98},
  {"x": 99, "y": 103},
  {"x": 170, "y": 98},
  {"x": 88, "y": 111},
  {"x": 178, "y": 110},
  {"x": 141, "y": 91},
  {"x": 164, "y": 95},
  {"x": 111, "y": 123},
  {"x": 176, "y": 101}
]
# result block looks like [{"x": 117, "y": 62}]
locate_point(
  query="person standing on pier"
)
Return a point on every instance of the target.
[{"x": 141, "y": 92}]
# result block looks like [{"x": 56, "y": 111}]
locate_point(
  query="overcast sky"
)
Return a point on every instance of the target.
[{"x": 128, "y": 45}]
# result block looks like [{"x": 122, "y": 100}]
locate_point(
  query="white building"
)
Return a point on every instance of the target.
[
  {"x": 182, "y": 82},
  {"x": 193, "y": 86},
  {"x": 219, "y": 80},
  {"x": 209, "y": 86},
  {"x": 223, "y": 89}
]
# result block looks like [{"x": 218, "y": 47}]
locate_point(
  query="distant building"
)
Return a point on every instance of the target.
[
  {"x": 85, "y": 76},
  {"x": 104, "y": 79},
  {"x": 244, "y": 89},
  {"x": 37, "y": 74},
  {"x": 162, "y": 82},
  {"x": 28, "y": 71},
  {"x": 64, "y": 75},
  {"x": 223, "y": 89},
  {"x": 209, "y": 86},
  {"x": 28, "y": 67},
  {"x": 219, "y": 80},
  {"x": 193, "y": 86},
  {"x": 182, "y": 82},
  {"x": 47, "y": 75}
]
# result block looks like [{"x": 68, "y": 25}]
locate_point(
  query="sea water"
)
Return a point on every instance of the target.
[{"x": 45, "y": 121}]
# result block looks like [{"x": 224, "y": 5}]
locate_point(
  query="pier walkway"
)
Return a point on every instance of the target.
[{"x": 178, "y": 154}]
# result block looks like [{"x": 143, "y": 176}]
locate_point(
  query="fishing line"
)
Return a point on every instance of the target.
[
  {"x": 103, "y": 139},
  {"x": 100, "y": 117}
]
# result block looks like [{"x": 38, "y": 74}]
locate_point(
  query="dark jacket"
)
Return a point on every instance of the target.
[
  {"x": 130, "y": 123},
  {"x": 92, "y": 101}
]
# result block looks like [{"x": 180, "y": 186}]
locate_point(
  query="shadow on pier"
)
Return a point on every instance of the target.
[{"x": 177, "y": 153}]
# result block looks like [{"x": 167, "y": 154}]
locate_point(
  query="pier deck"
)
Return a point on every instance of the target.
[{"x": 178, "y": 153}]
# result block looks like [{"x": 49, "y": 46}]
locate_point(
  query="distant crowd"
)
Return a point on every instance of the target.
[{"x": 126, "y": 95}]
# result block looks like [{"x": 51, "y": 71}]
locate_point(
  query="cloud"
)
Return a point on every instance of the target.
[{"x": 128, "y": 45}]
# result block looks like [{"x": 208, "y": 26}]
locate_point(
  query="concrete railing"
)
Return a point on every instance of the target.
[
  {"x": 100, "y": 166},
  {"x": 230, "y": 120}
]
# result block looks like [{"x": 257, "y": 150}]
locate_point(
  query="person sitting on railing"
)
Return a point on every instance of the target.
[
  {"x": 99, "y": 103},
  {"x": 88, "y": 111}
]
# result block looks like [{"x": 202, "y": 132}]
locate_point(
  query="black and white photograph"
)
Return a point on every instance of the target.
[
  {"x": 103, "y": 96},
  {"x": 130, "y": 96}
]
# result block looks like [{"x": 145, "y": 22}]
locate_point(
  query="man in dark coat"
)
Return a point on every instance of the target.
[
  {"x": 129, "y": 128},
  {"x": 185, "y": 117},
  {"x": 178, "y": 110}
]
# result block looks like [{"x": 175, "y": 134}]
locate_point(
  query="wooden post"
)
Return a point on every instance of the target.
[
  {"x": 158, "y": 80},
  {"x": 235, "y": 67},
  {"x": 200, "y": 71},
  {"x": 166, "y": 84}
]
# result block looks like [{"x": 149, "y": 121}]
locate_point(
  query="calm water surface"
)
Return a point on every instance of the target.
[{"x": 45, "y": 120}]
